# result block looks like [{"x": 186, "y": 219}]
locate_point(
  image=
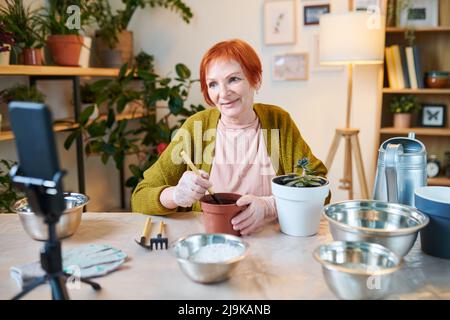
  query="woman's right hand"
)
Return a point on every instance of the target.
[{"x": 190, "y": 188}]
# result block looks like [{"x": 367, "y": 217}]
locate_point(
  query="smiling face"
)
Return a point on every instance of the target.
[{"x": 230, "y": 91}]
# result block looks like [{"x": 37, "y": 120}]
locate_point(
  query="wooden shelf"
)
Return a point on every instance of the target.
[
  {"x": 417, "y": 91},
  {"x": 57, "y": 71},
  {"x": 430, "y": 29},
  {"x": 418, "y": 131},
  {"x": 69, "y": 124},
  {"x": 439, "y": 181}
]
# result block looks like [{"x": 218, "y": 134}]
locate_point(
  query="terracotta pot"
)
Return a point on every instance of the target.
[
  {"x": 402, "y": 120},
  {"x": 116, "y": 57},
  {"x": 32, "y": 57},
  {"x": 217, "y": 217},
  {"x": 65, "y": 49}
]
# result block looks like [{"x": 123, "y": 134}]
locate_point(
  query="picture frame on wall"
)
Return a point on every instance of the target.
[
  {"x": 420, "y": 13},
  {"x": 312, "y": 13},
  {"x": 376, "y": 6},
  {"x": 290, "y": 66},
  {"x": 279, "y": 22},
  {"x": 433, "y": 115}
]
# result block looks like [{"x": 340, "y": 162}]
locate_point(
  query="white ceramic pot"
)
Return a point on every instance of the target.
[
  {"x": 299, "y": 209},
  {"x": 4, "y": 58}
]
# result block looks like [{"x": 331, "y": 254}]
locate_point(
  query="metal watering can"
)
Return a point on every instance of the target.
[{"x": 401, "y": 168}]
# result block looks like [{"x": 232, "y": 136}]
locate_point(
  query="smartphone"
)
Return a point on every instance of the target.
[{"x": 35, "y": 141}]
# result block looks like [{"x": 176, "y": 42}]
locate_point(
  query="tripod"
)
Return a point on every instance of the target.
[{"x": 46, "y": 199}]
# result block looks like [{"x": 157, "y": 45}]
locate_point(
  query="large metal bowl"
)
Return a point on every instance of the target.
[
  {"x": 68, "y": 223},
  {"x": 185, "y": 248},
  {"x": 357, "y": 270},
  {"x": 392, "y": 225}
]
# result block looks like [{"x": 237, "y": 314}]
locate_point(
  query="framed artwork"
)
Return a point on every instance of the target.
[
  {"x": 290, "y": 66},
  {"x": 433, "y": 115},
  {"x": 312, "y": 13},
  {"x": 375, "y": 6},
  {"x": 315, "y": 57},
  {"x": 420, "y": 13},
  {"x": 279, "y": 22}
]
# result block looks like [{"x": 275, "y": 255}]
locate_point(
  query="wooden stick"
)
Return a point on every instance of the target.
[{"x": 197, "y": 172}]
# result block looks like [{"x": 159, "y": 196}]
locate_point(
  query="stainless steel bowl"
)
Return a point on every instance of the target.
[
  {"x": 68, "y": 223},
  {"x": 392, "y": 225},
  {"x": 186, "y": 247},
  {"x": 357, "y": 270}
]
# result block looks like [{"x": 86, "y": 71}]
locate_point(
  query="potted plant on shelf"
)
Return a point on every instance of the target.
[
  {"x": 144, "y": 139},
  {"x": 299, "y": 199},
  {"x": 113, "y": 42},
  {"x": 67, "y": 45},
  {"x": 18, "y": 92},
  {"x": 23, "y": 22},
  {"x": 6, "y": 42},
  {"x": 402, "y": 107}
]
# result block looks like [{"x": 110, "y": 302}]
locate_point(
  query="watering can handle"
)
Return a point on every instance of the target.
[{"x": 391, "y": 158}]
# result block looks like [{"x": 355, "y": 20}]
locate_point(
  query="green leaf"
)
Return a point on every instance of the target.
[
  {"x": 100, "y": 84},
  {"x": 165, "y": 81},
  {"x": 147, "y": 76},
  {"x": 86, "y": 113},
  {"x": 121, "y": 103},
  {"x": 111, "y": 118},
  {"x": 108, "y": 148},
  {"x": 135, "y": 170},
  {"x": 182, "y": 71},
  {"x": 175, "y": 104},
  {"x": 123, "y": 70},
  {"x": 96, "y": 130},
  {"x": 105, "y": 158},
  {"x": 70, "y": 139},
  {"x": 132, "y": 182}
]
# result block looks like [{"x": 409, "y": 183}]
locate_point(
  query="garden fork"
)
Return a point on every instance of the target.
[{"x": 159, "y": 239}]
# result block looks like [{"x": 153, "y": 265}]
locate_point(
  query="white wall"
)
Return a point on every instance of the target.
[{"x": 317, "y": 105}]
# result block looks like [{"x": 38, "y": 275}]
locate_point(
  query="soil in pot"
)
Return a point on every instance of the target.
[{"x": 217, "y": 217}]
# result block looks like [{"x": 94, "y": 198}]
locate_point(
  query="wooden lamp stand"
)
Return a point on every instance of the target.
[{"x": 351, "y": 146}]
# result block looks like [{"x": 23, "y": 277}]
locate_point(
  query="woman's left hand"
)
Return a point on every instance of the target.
[{"x": 260, "y": 211}]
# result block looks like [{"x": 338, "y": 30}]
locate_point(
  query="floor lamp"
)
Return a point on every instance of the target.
[{"x": 349, "y": 39}]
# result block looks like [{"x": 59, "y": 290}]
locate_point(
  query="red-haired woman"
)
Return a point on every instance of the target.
[{"x": 238, "y": 145}]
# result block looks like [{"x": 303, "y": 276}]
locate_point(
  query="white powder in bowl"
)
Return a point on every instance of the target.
[{"x": 217, "y": 252}]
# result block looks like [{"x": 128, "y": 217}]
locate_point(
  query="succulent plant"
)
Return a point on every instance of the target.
[{"x": 306, "y": 179}]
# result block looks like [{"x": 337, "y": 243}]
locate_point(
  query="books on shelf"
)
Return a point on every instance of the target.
[{"x": 404, "y": 67}]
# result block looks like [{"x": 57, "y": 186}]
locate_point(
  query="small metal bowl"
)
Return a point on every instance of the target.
[
  {"x": 68, "y": 223},
  {"x": 357, "y": 270},
  {"x": 392, "y": 225},
  {"x": 185, "y": 248}
]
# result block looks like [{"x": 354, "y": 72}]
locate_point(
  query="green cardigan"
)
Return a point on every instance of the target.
[{"x": 165, "y": 172}]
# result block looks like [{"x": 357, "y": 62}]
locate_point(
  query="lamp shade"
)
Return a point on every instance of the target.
[{"x": 353, "y": 37}]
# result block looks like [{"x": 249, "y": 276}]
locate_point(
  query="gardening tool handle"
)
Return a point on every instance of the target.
[
  {"x": 161, "y": 227},
  {"x": 193, "y": 167},
  {"x": 147, "y": 228}
]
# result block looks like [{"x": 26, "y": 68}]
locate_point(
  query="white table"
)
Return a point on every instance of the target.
[{"x": 277, "y": 267}]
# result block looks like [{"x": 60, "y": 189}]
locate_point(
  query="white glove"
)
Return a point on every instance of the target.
[
  {"x": 260, "y": 211},
  {"x": 190, "y": 188}
]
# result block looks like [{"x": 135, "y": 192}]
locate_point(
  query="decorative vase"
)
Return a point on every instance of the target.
[
  {"x": 116, "y": 57},
  {"x": 217, "y": 217},
  {"x": 402, "y": 120},
  {"x": 299, "y": 209},
  {"x": 32, "y": 56},
  {"x": 69, "y": 50}
]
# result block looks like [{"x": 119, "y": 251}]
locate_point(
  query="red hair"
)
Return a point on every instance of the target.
[{"x": 237, "y": 50}]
